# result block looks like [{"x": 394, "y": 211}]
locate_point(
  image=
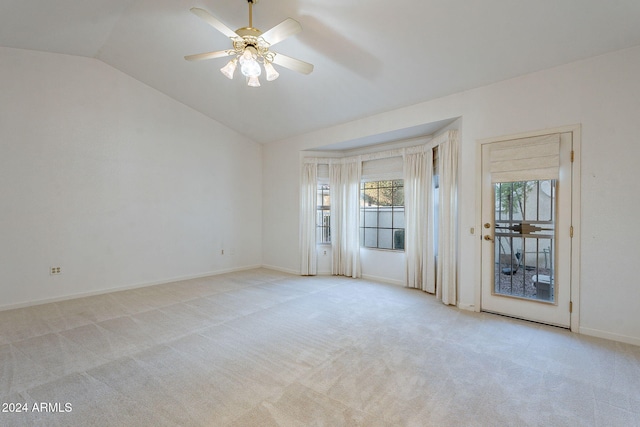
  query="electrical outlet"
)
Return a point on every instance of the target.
[
  {"x": 324, "y": 252},
  {"x": 55, "y": 271}
]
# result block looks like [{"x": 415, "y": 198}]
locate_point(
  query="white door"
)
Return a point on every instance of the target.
[{"x": 526, "y": 228}]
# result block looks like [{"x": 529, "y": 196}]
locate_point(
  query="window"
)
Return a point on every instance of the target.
[
  {"x": 382, "y": 214},
  {"x": 323, "y": 214}
]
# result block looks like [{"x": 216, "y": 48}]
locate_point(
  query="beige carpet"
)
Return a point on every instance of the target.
[{"x": 262, "y": 348}]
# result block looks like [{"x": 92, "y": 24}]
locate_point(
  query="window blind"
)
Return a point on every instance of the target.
[
  {"x": 532, "y": 159},
  {"x": 387, "y": 168},
  {"x": 323, "y": 173}
]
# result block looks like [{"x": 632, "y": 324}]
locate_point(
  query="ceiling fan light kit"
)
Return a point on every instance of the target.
[{"x": 251, "y": 48}]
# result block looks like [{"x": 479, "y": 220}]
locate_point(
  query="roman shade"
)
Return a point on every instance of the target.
[{"x": 532, "y": 159}]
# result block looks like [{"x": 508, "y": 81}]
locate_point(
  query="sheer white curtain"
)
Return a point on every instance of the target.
[
  {"x": 308, "y": 193},
  {"x": 419, "y": 236},
  {"x": 344, "y": 184},
  {"x": 447, "y": 278}
]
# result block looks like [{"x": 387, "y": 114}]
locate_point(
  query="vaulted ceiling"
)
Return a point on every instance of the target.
[{"x": 370, "y": 56}]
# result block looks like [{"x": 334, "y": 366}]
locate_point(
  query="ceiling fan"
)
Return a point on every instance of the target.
[{"x": 251, "y": 47}]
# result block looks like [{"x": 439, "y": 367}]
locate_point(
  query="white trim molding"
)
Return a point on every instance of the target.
[{"x": 609, "y": 336}]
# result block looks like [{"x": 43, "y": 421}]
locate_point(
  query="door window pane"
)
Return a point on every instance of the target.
[{"x": 524, "y": 239}]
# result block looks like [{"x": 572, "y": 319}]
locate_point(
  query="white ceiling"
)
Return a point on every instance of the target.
[{"x": 370, "y": 56}]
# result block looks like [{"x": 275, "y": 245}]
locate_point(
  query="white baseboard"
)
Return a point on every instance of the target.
[
  {"x": 609, "y": 335},
  {"x": 328, "y": 273},
  {"x": 383, "y": 280},
  {"x": 123, "y": 288},
  {"x": 283, "y": 270},
  {"x": 467, "y": 307}
]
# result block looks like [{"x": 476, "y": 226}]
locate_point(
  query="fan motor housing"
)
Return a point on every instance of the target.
[{"x": 248, "y": 31}]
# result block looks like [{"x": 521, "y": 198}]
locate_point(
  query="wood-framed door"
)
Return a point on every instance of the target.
[{"x": 527, "y": 211}]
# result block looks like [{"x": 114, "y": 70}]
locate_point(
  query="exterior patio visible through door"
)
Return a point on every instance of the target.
[{"x": 524, "y": 239}]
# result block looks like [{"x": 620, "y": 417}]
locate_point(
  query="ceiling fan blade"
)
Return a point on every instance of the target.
[
  {"x": 292, "y": 63},
  {"x": 207, "y": 55},
  {"x": 209, "y": 19},
  {"x": 286, "y": 28}
]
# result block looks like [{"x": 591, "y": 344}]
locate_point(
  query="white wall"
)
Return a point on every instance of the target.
[
  {"x": 383, "y": 265},
  {"x": 114, "y": 182},
  {"x": 377, "y": 264},
  {"x": 602, "y": 94}
]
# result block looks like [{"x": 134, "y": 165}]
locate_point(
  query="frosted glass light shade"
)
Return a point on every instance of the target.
[
  {"x": 230, "y": 68},
  {"x": 248, "y": 65},
  {"x": 253, "y": 81},
  {"x": 272, "y": 74}
]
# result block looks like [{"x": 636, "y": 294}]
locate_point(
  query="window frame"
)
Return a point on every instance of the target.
[
  {"x": 393, "y": 208},
  {"x": 323, "y": 231}
]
